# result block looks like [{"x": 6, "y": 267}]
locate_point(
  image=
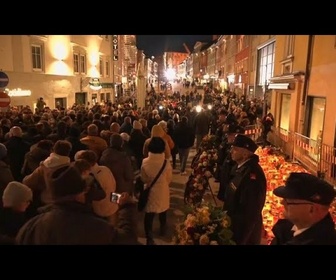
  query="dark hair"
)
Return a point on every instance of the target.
[
  {"x": 88, "y": 155},
  {"x": 184, "y": 120},
  {"x": 116, "y": 141},
  {"x": 156, "y": 145},
  {"x": 62, "y": 147},
  {"x": 82, "y": 165},
  {"x": 45, "y": 144}
]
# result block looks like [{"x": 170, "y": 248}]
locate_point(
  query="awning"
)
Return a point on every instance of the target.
[{"x": 278, "y": 86}]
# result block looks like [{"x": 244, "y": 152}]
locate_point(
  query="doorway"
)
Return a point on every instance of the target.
[
  {"x": 80, "y": 98},
  {"x": 60, "y": 103}
]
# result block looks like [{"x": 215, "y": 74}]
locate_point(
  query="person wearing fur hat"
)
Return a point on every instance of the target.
[
  {"x": 245, "y": 195},
  {"x": 70, "y": 221},
  {"x": 15, "y": 199}
]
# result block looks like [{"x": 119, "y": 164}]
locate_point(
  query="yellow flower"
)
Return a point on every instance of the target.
[
  {"x": 204, "y": 240},
  {"x": 225, "y": 223},
  {"x": 190, "y": 221}
]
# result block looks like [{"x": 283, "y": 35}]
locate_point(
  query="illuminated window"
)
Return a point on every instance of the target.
[
  {"x": 107, "y": 68},
  {"x": 37, "y": 57},
  {"x": 315, "y": 116},
  {"x": 76, "y": 63},
  {"x": 101, "y": 67},
  {"x": 266, "y": 63},
  {"x": 82, "y": 63},
  {"x": 285, "y": 111},
  {"x": 314, "y": 122}
]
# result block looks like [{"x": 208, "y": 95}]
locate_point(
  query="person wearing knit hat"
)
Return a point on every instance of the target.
[
  {"x": 17, "y": 195},
  {"x": 67, "y": 181},
  {"x": 16, "y": 198}
]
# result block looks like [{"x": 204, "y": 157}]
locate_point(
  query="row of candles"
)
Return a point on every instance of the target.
[{"x": 276, "y": 170}]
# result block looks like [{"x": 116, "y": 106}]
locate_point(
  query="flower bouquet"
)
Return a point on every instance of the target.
[
  {"x": 204, "y": 225},
  {"x": 203, "y": 167}
]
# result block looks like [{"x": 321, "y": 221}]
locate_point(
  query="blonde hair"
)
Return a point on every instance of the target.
[{"x": 157, "y": 131}]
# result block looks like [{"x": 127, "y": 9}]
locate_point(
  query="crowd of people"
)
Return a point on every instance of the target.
[{"x": 59, "y": 168}]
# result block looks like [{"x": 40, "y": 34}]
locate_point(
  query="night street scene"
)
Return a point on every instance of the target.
[{"x": 167, "y": 140}]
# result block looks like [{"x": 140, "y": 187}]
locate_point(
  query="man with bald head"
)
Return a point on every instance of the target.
[{"x": 16, "y": 150}]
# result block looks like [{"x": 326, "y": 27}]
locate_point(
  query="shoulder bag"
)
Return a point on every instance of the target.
[{"x": 144, "y": 194}]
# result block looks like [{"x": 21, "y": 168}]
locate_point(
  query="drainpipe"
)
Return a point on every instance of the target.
[{"x": 309, "y": 60}]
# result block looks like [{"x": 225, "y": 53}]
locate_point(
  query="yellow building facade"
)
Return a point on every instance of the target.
[{"x": 59, "y": 68}]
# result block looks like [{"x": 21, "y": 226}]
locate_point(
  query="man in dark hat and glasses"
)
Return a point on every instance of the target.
[{"x": 306, "y": 199}]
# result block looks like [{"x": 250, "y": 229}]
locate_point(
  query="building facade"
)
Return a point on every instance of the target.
[{"x": 63, "y": 69}]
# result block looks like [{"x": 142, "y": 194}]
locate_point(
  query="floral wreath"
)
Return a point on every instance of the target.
[{"x": 204, "y": 225}]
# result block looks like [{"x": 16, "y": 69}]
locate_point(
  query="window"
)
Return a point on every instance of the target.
[
  {"x": 82, "y": 63},
  {"x": 37, "y": 57},
  {"x": 107, "y": 68},
  {"x": 76, "y": 63},
  {"x": 315, "y": 122},
  {"x": 289, "y": 45},
  {"x": 316, "y": 116},
  {"x": 285, "y": 111},
  {"x": 266, "y": 63},
  {"x": 101, "y": 67}
]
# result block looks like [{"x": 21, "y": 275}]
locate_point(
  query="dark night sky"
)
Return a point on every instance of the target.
[{"x": 157, "y": 44}]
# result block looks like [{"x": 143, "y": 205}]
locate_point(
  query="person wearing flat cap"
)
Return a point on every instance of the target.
[
  {"x": 68, "y": 220},
  {"x": 307, "y": 220},
  {"x": 245, "y": 194},
  {"x": 224, "y": 161}
]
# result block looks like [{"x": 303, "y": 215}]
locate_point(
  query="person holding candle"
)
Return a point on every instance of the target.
[
  {"x": 245, "y": 195},
  {"x": 307, "y": 200}
]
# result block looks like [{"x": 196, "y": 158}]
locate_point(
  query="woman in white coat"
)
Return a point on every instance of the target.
[{"x": 159, "y": 197}]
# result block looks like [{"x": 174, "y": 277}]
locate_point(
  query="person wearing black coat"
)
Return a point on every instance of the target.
[
  {"x": 245, "y": 195},
  {"x": 16, "y": 151},
  {"x": 306, "y": 200},
  {"x": 225, "y": 163},
  {"x": 184, "y": 138}
]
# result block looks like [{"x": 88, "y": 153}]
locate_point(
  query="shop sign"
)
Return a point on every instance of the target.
[
  {"x": 18, "y": 92},
  {"x": 115, "y": 47}
]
